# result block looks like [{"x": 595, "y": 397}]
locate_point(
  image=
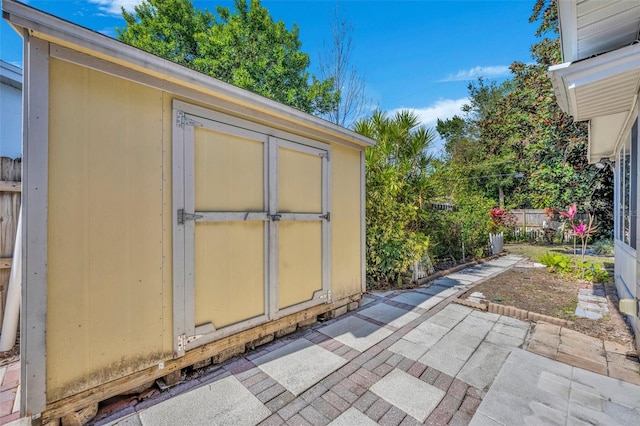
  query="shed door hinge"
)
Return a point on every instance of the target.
[
  {"x": 182, "y": 343},
  {"x": 180, "y": 120},
  {"x": 183, "y": 217},
  {"x": 326, "y": 217},
  {"x": 184, "y": 121},
  {"x": 327, "y": 296}
]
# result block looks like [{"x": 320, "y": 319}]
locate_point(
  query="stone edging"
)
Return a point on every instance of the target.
[{"x": 513, "y": 312}]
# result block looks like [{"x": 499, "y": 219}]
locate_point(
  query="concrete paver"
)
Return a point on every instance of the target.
[
  {"x": 505, "y": 340},
  {"x": 432, "y": 289},
  {"x": 352, "y": 417},
  {"x": 426, "y": 334},
  {"x": 444, "y": 364},
  {"x": 299, "y": 365},
  {"x": 535, "y": 390},
  {"x": 391, "y": 315},
  {"x": 484, "y": 365},
  {"x": 224, "y": 402},
  {"x": 418, "y": 299},
  {"x": 592, "y": 303},
  {"x": 443, "y": 361},
  {"x": 583, "y": 351},
  {"x": 355, "y": 332},
  {"x": 418, "y": 403},
  {"x": 408, "y": 349},
  {"x": 516, "y": 394},
  {"x": 465, "y": 278}
]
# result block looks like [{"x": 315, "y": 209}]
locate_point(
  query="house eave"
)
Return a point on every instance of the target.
[{"x": 603, "y": 90}]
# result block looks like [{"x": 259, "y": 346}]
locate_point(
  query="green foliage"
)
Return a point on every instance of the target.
[
  {"x": 475, "y": 219},
  {"x": 565, "y": 265},
  {"x": 246, "y": 48},
  {"x": 558, "y": 263},
  {"x": 467, "y": 227},
  {"x": 517, "y": 127},
  {"x": 603, "y": 247},
  {"x": 397, "y": 185},
  {"x": 593, "y": 272}
]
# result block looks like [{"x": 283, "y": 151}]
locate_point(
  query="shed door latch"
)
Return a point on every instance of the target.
[
  {"x": 326, "y": 217},
  {"x": 183, "y": 217},
  {"x": 275, "y": 217}
]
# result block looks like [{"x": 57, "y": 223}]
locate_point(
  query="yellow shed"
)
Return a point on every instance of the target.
[{"x": 169, "y": 217}]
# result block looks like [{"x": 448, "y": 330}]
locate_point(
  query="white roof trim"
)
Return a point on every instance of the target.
[
  {"x": 568, "y": 18},
  {"x": 591, "y": 90},
  {"x": 24, "y": 16},
  {"x": 567, "y": 77}
]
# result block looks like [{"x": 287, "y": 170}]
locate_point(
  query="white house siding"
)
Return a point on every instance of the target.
[
  {"x": 627, "y": 280},
  {"x": 10, "y": 110},
  {"x": 625, "y": 274}
]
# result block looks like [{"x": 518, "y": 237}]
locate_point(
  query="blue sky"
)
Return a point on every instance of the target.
[{"x": 417, "y": 55}]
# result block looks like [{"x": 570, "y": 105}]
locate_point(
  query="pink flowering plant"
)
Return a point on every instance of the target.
[
  {"x": 584, "y": 231},
  {"x": 565, "y": 265},
  {"x": 571, "y": 212},
  {"x": 501, "y": 220}
]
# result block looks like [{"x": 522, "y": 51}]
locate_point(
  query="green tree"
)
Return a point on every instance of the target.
[
  {"x": 477, "y": 162},
  {"x": 245, "y": 48},
  {"x": 517, "y": 127},
  {"x": 166, "y": 28},
  {"x": 398, "y": 185}
]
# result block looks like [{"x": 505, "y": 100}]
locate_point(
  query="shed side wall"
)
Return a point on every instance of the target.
[
  {"x": 105, "y": 230},
  {"x": 110, "y": 227},
  {"x": 345, "y": 222}
]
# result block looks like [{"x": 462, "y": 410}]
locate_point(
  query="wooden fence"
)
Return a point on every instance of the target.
[
  {"x": 10, "y": 194},
  {"x": 534, "y": 218}
]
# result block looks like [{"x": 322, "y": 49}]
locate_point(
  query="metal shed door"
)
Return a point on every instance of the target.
[{"x": 251, "y": 229}]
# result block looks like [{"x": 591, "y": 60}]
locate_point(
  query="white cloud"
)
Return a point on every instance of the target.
[
  {"x": 441, "y": 109},
  {"x": 475, "y": 72},
  {"x": 112, "y": 7},
  {"x": 429, "y": 115}
]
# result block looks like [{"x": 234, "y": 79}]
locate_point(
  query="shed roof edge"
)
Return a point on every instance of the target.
[{"x": 33, "y": 19}]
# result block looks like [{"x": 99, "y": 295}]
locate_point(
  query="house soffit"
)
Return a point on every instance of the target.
[{"x": 599, "y": 86}]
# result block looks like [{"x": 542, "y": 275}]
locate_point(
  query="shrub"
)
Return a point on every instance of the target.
[
  {"x": 557, "y": 263},
  {"x": 603, "y": 247},
  {"x": 593, "y": 272},
  {"x": 397, "y": 183},
  {"x": 502, "y": 221},
  {"x": 475, "y": 222},
  {"x": 564, "y": 265}
]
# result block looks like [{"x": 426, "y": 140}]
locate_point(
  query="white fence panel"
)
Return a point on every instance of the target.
[{"x": 497, "y": 242}]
